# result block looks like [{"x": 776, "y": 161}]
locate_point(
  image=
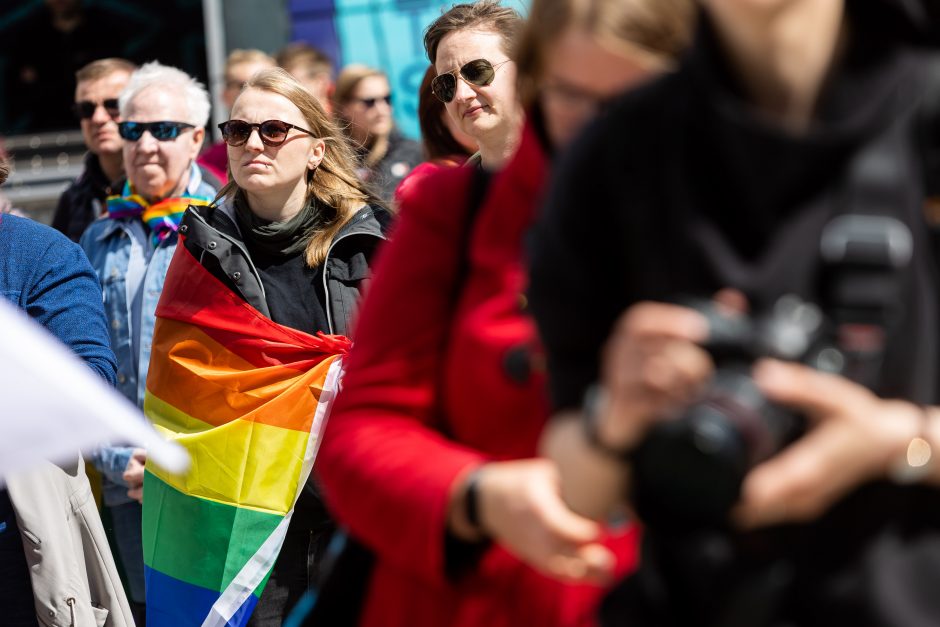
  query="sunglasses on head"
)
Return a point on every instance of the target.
[
  {"x": 85, "y": 109},
  {"x": 371, "y": 102},
  {"x": 479, "y": 72},
  {"x": 161, "y": 131},
  {"x": 271, "y": 132}
]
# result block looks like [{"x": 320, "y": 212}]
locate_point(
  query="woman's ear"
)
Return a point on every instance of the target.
[{"x": 316, "y": 155}]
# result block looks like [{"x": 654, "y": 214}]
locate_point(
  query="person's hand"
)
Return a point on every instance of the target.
[
  {"x": 652, "y": 365},
  {"x": 134, "y": 474},
  {"x": 520, "y": 507},
  {"x": 853, "y": 437}
]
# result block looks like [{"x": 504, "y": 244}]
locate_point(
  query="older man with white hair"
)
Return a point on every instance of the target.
[{"x": 164, "y": 112}]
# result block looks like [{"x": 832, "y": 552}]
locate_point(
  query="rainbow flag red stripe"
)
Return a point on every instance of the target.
[{"x": 247, "y": 398}]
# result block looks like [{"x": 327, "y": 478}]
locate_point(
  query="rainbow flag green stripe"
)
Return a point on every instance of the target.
[
  {"x": 248, "y": 399},
  {"x": 179, "y": 556}
]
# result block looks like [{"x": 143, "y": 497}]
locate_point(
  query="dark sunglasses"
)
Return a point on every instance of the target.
[
  {"x": 271, "y": 132},
  {"x": 371, "y": 102},
  {"x": 161, "y": 131},
  {"x": 479, "y": 72},
  {"x": 85, "y": 109}
]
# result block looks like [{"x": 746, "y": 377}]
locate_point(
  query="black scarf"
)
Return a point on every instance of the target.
[{"x": 288, "y": 237}]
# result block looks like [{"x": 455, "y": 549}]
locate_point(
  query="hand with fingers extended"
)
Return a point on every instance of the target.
[
  {"x": 520, "y": 507},
  {"x": 134, "y": 475},
  {"x": 853, "y": 438}
]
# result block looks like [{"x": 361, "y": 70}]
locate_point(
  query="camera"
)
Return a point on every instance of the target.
[{"x": 688, "y": 471}]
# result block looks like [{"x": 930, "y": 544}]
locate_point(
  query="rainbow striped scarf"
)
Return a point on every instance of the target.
[
  {"x": 248, "y": 399},
  {"x": 163, "y": 218}
]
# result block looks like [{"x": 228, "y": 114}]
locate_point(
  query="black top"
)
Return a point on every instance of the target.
[
  {"x": 293, "y": 290},
  {"x": 84, "y": 199},
  {"x": 681, "y": 191}
]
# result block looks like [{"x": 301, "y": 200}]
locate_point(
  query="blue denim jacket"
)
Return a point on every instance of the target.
[{"x": 131, "y": 271}]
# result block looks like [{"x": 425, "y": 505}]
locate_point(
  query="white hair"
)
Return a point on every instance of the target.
[{"x": 155, "y": 74}]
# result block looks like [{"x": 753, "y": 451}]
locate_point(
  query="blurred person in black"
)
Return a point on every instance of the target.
[
  {"x": 96, "y": 105},
  {"x": 725, "y": 175},
  {"x": 46, "y": 48}
]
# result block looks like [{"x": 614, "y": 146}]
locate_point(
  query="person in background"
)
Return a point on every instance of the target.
[
  {"x": 239, "y": 67},
  {"x": 96, "y": 105},
  {"x": 444, "y": 397},
  {"x": 443, "y": 143},
  {"x": 43, "y": 49},
  {"x": 363, "y": 105},
  {"x": 312, "y": 68},
  {"x": 164, "y": 112},
  {"x": 55, "y": 562}
]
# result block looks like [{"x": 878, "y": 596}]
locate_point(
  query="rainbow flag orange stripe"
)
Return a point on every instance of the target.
[{"x": 248, "y": 399}]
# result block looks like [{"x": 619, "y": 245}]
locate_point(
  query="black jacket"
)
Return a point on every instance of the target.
[
  {"x": 402, "y": 156},
  {"x": 212, "y": 236},
  {"x": 83, "y": 200}
]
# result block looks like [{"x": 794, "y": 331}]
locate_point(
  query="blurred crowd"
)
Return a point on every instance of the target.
[{"x": 643, "y": 331}]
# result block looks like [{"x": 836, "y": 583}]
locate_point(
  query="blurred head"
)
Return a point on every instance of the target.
[
  {"x": 239, "y": 67},
  {"x": 311, "y": 67},
  {"x": 363, "y": 101},
  {"x": 481, "y": 31},
  {"x": 98, "y": 86},
  {"x": 575, "y": 56},
  {"x": 319, "y": 160},
  {"x": 441, "y": 136},
  {"x": 158, "y": 93}
]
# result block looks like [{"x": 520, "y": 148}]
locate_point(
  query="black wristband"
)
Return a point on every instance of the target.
[
  {"x": 593, "y": 399},
  {"x": 471, "y": 502}
]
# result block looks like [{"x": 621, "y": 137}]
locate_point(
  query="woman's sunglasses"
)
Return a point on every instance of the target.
[
  {"x": 85, "y": 109},
  {"x": 371, "y": 102},
  {"x": 272, "y": 132},
  {"x": 479, "y": 72},
  {"x": 161, "y": 131}
]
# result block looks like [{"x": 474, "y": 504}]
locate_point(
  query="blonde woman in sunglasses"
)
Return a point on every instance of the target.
[{"x": 292, "y": 235}]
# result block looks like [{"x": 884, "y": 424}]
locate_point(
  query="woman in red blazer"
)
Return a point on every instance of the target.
[{"x": 429, "y": 454}]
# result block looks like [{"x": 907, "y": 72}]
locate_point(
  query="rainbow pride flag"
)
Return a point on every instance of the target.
[{"x": 248, "y": 399}]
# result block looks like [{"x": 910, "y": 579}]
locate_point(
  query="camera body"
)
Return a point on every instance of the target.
[
  {"x": 689, "y": 470},
  {"x": 687, "y": 473}
]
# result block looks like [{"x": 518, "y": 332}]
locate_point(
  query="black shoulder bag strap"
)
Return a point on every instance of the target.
[{"x": 337, "y": 600}]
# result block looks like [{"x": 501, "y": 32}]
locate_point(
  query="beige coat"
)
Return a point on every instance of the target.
[{"x": 74, "y": 578}]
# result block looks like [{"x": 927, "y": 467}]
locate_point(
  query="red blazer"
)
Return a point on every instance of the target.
[{"x": 416, "y": 374}]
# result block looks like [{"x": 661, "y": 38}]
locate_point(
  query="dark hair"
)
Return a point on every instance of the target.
[
  {"x": 660, "y": 29},
  {"x": 487, "y": 15},
  {"x": 4, "y": 170},
  {"x": 438, "y": 141}
]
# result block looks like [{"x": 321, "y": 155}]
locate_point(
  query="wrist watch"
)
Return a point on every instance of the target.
[{"x": 595, "y": 397}]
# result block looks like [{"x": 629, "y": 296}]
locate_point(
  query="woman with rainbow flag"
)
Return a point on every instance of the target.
[
  {"x": 250, "y": 328},
  {"x": 164, "y": 112}
]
